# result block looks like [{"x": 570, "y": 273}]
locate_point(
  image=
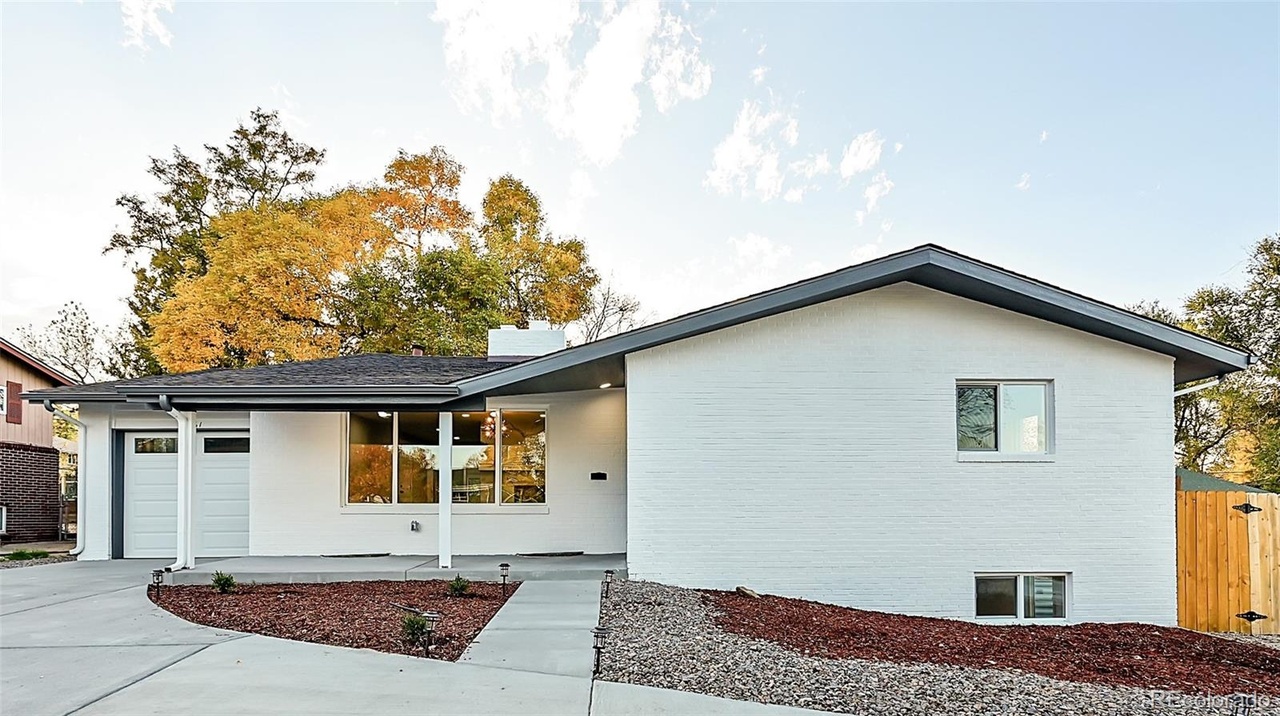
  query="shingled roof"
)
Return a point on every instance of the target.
[{"x": 368, "y": 370}]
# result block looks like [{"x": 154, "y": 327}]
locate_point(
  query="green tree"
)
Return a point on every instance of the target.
[
  {"x": 170, "y": 231},
  {"x": 546, "y": 278}
]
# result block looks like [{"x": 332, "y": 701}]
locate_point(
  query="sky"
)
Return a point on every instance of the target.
[{"x": 704, "y": 151}]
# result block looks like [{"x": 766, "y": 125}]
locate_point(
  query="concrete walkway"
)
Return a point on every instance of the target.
[
  {"x": 82, "y": 637},
  {"x": 545, "y": 628}
]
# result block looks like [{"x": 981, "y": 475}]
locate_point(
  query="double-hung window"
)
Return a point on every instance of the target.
[
  {"x": 1020, "y": 596},
  {"x": 394, "y": 457},
  {"x": 1012, "y": 417}
]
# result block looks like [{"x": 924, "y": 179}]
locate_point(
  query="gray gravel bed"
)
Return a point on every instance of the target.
[
  {"x": 666, "y": 637},
  {"x": 51, "y": 559}
]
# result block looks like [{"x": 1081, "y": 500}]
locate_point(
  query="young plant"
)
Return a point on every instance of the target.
[
  {"x": 25, "y": 554},
  {"x": 413, "y": 629},
  {"x": 459, "y": 586},
  {"x": 223, "y": 582}
]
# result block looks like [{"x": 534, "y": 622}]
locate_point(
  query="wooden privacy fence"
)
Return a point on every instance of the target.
[{"x": 1229, "y": 561}]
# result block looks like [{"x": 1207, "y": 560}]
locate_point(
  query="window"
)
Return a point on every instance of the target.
[
  {"x": 394, "y": 458},
  {"x": 214, "y": 446},
  {"x": 1021, "y": 596},
  {"x": 4, "y": 519},
  {"x": 1003, "y": 417},
  {"x": 524, "y": 456},
  {"x": 147, "y": 446}
]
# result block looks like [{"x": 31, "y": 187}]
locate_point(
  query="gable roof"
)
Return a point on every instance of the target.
[
  {"x": 35, "y": 364},
  {"x": 929, "y": 265},
  {"x": 1192, "y": 481},
  {"x": 425, "y": 380}
]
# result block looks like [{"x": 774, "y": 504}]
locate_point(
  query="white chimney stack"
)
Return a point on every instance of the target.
[{"x": 538, "y": 339}]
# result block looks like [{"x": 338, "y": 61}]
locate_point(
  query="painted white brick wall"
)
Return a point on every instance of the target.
[
  {"x": 813, "y": 454},
  {"x": 296, "y": 489}
]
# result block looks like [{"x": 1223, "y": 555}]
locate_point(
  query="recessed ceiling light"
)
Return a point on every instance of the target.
[
  {"x": 455, "y": 437},
  {"x": 494, "y": 413},
  {"x": 466, "y": 415},
  {"x": 383, "y": 414},
  {"x": 605, "y": 385}
]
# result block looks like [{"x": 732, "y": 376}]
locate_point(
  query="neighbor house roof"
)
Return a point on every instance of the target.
[
  {"x": 1192, "y": 481},
  {"x": 465, "y": 381},
  {"x": 33, "y": 363}
]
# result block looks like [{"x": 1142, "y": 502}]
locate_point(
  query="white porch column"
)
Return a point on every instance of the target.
[
  {"x": 445, "y": 472},
  {"x": 185, "y": 559}
]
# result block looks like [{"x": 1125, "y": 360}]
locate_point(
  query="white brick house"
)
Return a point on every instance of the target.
[{"x": 922, "y": 433}]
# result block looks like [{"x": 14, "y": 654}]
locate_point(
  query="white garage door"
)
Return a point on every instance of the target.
[{"x": 221, "y": 506}]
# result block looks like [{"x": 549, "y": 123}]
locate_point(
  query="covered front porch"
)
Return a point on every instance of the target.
[{"x": 397, "y": 568}]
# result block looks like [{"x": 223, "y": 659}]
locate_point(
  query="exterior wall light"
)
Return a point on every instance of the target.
[
  {"x": 599, "y": 634},
  {"x": 607, "y": 584},
  {"x": 504, "y": 569}
]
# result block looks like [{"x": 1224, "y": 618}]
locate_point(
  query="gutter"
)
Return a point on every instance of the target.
[
  {"x": 1197, "y": 388},
  {"x": 82, "y": 446},
  {"x": 186, "y": 444}
]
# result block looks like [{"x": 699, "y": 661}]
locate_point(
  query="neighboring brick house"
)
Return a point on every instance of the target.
[{"x": 29, "y": 505}]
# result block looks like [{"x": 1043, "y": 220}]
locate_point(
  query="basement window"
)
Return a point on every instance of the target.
[{"x": 1020, "y": 596}]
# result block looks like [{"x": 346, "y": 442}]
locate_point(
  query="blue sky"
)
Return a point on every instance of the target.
[{"x": 704, "y": 151}]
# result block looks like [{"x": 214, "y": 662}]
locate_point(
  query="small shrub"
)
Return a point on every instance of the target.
[
  {"x": 223, "y": 582},
  {"x": 24, "y": 554},
  {"x": 413, "y": 629},
  {"x": 459, "y": 586}
]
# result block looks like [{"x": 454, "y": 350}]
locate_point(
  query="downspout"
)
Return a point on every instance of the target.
[
  {"x": 82, "y": 444},
  {"x": 186, "y": 443},
  {"x": 1196, "y": 388}
]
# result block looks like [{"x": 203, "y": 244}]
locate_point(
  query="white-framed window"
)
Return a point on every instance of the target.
[
  {"x": 393, "y": 458},
  {"x": 1005, "y": 417},
  {"x": 1020, "y": 596},
  {"x": 4, "y": 519},
  {"x": 4, "y": 400}
]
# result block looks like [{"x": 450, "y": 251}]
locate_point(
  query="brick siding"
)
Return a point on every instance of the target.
[{"x": 29, "y": 491}]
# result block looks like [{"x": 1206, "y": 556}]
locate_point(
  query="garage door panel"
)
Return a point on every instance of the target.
[{"x": 220, "y": 496}]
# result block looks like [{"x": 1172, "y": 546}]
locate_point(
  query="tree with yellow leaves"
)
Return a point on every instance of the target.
[{"x": 270, "y": 292}]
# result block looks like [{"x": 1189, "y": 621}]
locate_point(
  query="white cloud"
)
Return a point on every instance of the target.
[
  {"x": 794, "y": 195},
  {"x": 757, "y": 74},
  {"x": 812, "y": 165},
  {"x": 287, "y": 106},
  {"x": 590, "y": 98},
  {"x": 581, "y": 190},
  {"x": 866, "y": 252},
  {"x": 1024, "y": 183},
  {"x": 878, "y": 189},
  {"x": 886, "y": 226},
  {"x": 862, "y": 154},
  {"x": 675, "y": 63},
  {"x": 142, "y": 20},
  {"x": 1044, "y": 136},
  {"x": 897, "y": 147},
  {"x": 748, "y": 159}
]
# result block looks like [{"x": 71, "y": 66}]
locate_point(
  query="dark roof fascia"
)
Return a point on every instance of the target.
[
  {"x": 268, "y": 391},
  {"x": 927, "y": 265},
  {"x": 838, "y": 284},
  {"x": 36, "y": 364},
  {"x": 39, "y": 396}
]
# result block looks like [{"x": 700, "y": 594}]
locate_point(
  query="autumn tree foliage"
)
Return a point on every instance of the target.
[
  {"x": 1233, "y": 428},
  {"x": 239, "y": 261}
]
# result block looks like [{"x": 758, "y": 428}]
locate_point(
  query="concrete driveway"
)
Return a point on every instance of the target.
[{"x": 82, "y": 637}]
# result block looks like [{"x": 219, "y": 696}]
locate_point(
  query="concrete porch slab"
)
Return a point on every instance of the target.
[{"x": 398, "y": 568}]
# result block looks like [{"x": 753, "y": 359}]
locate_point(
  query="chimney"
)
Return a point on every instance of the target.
[
  {"x": 511, "y": 343},
  {"x": 418, "y": 350}
]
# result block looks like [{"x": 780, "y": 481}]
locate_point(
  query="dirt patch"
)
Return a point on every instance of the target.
[
  {"x": 353, "y": 614},
  {"x": 1137, "y": 655}
]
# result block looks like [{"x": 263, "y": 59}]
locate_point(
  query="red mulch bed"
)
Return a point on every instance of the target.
[
  {"x": 1138, "y": 655},
  {"x": 354, "y": 614}
]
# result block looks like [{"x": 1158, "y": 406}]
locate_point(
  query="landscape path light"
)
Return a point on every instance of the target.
[
  {"x": 599, "y": 634},
  {"x": 504, "y": 569},
  {"x": 433, "y": 619},
  {"x": 157, "y": 580},
  {"x": 608, "y": 582}
]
